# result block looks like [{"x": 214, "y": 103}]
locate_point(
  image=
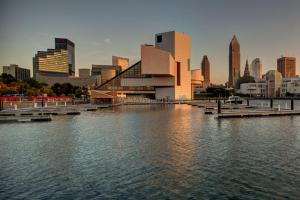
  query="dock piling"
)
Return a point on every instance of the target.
[
  {"x": 271, "y": 103},
  {"x": 219, "y": 106}
]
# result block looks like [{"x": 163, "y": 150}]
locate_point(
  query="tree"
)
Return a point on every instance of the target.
[
  {"x": 57, "y": 89},
  {"x": 78, "y": 92},
  {"x": 7, "y": 78},
  {"x": 67, "y": 88},
  {"x": 34, "y": 83}
]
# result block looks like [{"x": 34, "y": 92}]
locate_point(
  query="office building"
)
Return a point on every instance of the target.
[
  {"x": 17, "y": 72},
  {"x": 51, "y": 63},
  {"x": 287, "y": 67},
  {"x": 256, "y": 69},
  {"x": 234, "y": 62},
  {"x": 205, "y": 69},
  {"x": 65, "y": 44}
]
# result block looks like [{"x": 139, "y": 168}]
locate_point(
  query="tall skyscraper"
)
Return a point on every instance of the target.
[
  {"x": 63, "y": 43},
  {"x": 256, "y": 69},
  {"x": 234, "y": 62},
  {"x": 246, "y": 71},
  {"x": 205, "y": 70},
  {"x": 287, "y": 66}
]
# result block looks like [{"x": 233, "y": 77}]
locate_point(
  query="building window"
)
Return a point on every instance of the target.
[
  {"x": 178, "y": 73},
  {"x": 159, "y": 39},
  {"x": 189, "y": 64}
]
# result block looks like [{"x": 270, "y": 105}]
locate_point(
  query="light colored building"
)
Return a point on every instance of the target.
[
  {"x": 234, "y": 62},
  {"x": 256, "y": 69},
  {"x": 287, "y": 67},
  {"x": 258, "y": 89},
  {"x": 162, "y": 73},
  {"x": 17, "y": 72},
  {"x": 119, "y": 61},
  {"x": 273, "y": 86},
  {"x": 84, "y": 73},
  {"x": 274, "y": 80},
  {"x": 104, "y": 73},
  {"x": 51, "y": 63},
  {"x": 197, "y": 81},
  {"x": 290, "y": 87}
]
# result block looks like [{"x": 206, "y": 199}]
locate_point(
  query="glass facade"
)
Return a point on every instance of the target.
[
  {"x": 62, "y": 43},
  {"x": 51, "y": 61}
]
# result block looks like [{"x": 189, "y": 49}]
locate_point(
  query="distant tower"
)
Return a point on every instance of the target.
[
  {"x": 63, "y": 43},
  {"x": 256, "y": 68},
  {"x": 287, "y": 66},
  {"x": 246, "y": 72},
  {"x": 205, "y": 70},
  {"x": 234, "y": 62}
]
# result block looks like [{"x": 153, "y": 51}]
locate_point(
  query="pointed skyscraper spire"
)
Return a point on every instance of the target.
[{"x": 247, "y": 72}]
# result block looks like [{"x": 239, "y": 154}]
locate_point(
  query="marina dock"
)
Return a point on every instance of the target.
[{"x": 21, "y": 118}]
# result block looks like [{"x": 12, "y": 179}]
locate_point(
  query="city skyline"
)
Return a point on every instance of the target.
[{"x": 101, "y": 34}]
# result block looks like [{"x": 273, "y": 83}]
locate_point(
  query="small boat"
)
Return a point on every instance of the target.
[{"x": 234, "y": 100}]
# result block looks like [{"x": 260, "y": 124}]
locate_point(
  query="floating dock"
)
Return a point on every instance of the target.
[
  {"x": 40, "y": 112},
  {"x": 33, "y": 118},
  {"x": 257, "y": 113}
]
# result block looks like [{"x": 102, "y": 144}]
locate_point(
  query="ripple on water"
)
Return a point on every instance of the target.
[{"x": 151, "y": 152}]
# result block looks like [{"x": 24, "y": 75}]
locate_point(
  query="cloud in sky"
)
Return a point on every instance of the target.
[{"x": 107, "y": 40}]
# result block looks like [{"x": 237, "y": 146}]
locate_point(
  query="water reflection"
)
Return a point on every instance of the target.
[{"x": 151, "y": 152}]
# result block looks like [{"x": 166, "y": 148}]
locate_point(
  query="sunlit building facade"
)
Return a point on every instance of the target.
[
  {"x": 121, "y": 62},
  {"x": 51, "y": 63},
  {"x": 287, "y": 67}
]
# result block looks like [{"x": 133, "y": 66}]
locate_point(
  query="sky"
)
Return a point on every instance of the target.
[{"x": 267, "y": 29}]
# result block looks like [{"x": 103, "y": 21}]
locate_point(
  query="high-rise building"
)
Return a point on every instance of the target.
[
  {"x": 17, "y": 72},
  {"x": 234, "y": 62},
  {"x": 51, "y": 63},
  {"x": 256, "y": 69},
  {"x": 287, "y": 66},
  {"x": 63, "y": 43},
  {"x": 205, "y": 70},
  {"x": 246, "y": 71}
]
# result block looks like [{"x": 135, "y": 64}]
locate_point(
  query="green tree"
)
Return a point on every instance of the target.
[
  {"x": 7, "y": 78},
  {"x": 57, "y": 89}
]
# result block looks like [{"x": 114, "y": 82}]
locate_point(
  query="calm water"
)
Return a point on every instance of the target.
[{"x": 151, "y": 152}]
